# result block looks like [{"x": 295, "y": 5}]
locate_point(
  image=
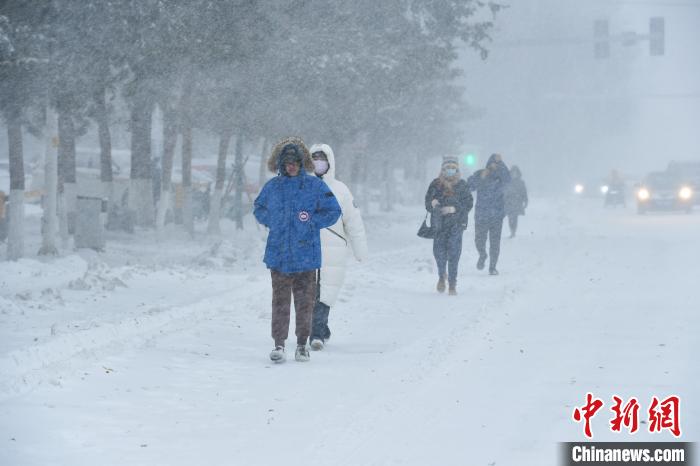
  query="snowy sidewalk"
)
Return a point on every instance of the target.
[
  {"x": 56, "y": 313},
  {"x": 583, "y": 303}
]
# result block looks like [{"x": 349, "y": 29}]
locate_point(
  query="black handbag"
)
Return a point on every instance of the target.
[{"x": 425, "y": 230}]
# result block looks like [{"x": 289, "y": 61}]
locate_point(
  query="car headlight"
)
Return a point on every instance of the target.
[
  {"x": 685, "y": 193},
  {"x": 578, "y": 188},
  {"x": 643, "y": 194},
  {"x": 604, "y": 189}
]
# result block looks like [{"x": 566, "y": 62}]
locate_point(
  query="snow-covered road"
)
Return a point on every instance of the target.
[{"x": 588, "y": 300}]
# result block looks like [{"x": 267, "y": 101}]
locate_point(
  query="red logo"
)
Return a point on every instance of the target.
[
  {"x": 627, "y": 415},
  {"x": 663, "y": 414},
  {"x": 591, "y": 407},
  {"x": 304, "y": 216}
]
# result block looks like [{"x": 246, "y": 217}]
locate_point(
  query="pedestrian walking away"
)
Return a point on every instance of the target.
[
  {"x": 337, "y": 242},
  {"x": 294, "y": 206},
  {"x": 515, "y": 197},
  {"x": 489, "y": 184},
  {"x": 449, "y": 201}
]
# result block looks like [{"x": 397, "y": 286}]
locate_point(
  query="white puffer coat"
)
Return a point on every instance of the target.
[{"x": 337, "y": 241}]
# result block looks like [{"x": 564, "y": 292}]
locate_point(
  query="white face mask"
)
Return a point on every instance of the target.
[
  {"x": 320, "y": 167},
  {"x": 450, "y": 171}
]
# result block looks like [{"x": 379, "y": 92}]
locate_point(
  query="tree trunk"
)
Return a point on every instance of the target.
[
  {"x": 141, "y": 180},
  {"x": 67, "y": 179},
  {"x": 215, "y": 203},
  {"x": 187, "y": 214},
  {"x": 49, "y": 220},
  {"x": 262, "y": 173},
  {"x": 106, "y": 175},
  {"x": 240, "y": 175},
  {"x": 186, "y": 130},
  {"x": 169, "y": 142},
  {"x": 387, "y": 182},
  {"x": 15, "y": 237},
  {"x": 421, "y": 176},
  {"x": 358, "y": 181}
]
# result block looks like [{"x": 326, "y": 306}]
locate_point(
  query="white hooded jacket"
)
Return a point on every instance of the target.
[{"x": 337, "y": 241}]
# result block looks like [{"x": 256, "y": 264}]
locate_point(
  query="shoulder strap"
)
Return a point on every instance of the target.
[{"x": 338, "y": 235}]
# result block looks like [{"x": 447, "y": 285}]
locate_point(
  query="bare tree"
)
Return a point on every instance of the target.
[
  {"x": 15, "y": 238},
  {"x": 67, "y": 175},
  {"x": 141, "y": 180},
  {"x": 216, "y": 198}
]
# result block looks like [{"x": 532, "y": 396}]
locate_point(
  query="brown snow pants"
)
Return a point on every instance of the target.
[{"x": 303, "y": 286}]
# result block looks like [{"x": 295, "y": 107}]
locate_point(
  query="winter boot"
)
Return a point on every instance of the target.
[
  {"x": 493, "y": 271},
  {"x": 441, "y": 285},
  {"x": 277, "y": 355},
  {"x": 316, "y": 344},
  {"x": 453, "y": 290},
  {"x": 481, "y": 262},
  {"x": 302, "y": 354}
]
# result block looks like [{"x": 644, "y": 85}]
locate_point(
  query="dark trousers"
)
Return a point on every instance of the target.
[
  {"x": 447, "y": 248},
  {"x": 513, "y": 223},
  {"x": 491, "y": 229},
  {"x": 319, "y": 322},
  {"x": 303, "y": 286}
]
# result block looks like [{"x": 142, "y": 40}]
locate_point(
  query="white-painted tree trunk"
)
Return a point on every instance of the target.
[
  {"x": 50, "y": 218},
  {"x": 15, "y": 234},
  {"x": 141, "y": 201},
  {"x": 67, "y": 207},
  {"x": 164, "y": 204},
  {"x": 109, "y": 193},
  {"x": 169, "y": 141}
]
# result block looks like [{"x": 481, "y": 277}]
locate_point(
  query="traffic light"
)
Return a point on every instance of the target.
[
  {"x": 656, "y": 36},
  {"x": 469, "y": 160}
]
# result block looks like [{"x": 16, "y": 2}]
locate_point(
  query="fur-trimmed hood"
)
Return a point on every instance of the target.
[{"x": 273, "y": 162}]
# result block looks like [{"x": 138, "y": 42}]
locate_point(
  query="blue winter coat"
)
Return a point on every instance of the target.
[
  {"x": 490, "y": 205},
  {"x": 295, "y": 209}
]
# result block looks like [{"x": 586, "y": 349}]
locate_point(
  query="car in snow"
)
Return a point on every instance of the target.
[
  {"x": 688, "y": 171},
  {"x": 590, "y": 188},
  {"x": 612, "y": 193},
  {"x": 664, "y": 191}
]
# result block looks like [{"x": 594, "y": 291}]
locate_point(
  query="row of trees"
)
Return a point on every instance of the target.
[{"x": 378, "y": 72}]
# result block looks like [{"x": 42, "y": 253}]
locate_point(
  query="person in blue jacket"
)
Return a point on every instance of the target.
[
  {"x": 489, "y": 184},
  {"x": 295, "y": 206}
]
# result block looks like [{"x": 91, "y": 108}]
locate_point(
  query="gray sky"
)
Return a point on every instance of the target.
[{"x": 558, "y": 112}]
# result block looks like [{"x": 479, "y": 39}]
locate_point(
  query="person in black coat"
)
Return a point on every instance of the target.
[
  {"x": 515, "y": 199},
  {"x": 489, "y": 184},
  {"x": 449, "y": 201}
]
